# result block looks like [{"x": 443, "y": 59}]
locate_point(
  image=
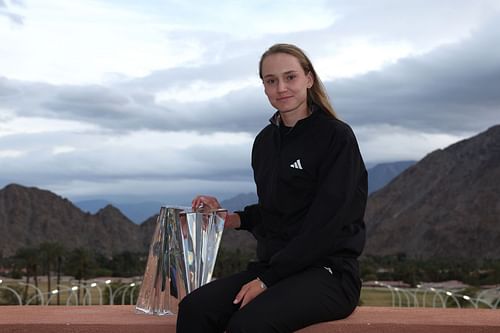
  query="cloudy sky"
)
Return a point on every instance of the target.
[{"x": 160, "y": 100}]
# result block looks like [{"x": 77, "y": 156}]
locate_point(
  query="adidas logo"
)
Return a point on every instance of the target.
[{"x": 296, "y": 165}]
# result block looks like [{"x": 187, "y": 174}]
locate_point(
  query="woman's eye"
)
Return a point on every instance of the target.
[
  {"x": 290, "y": 77},
  {"x": 270, "y": 81}
]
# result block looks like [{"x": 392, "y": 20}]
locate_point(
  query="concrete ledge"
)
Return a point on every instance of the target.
[{"x": 123, "y": 319}]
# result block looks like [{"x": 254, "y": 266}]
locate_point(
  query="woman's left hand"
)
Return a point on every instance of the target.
[{"x": 249, "y": 291}]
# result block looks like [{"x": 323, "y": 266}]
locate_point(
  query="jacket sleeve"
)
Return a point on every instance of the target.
[
  {"x": 340, "y": 201},
  {"x": 249, "y": 217}
]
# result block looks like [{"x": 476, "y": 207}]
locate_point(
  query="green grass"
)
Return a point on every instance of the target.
[
  {"x": 410, "y": 297},
  {"x": 375, "y": 297}
]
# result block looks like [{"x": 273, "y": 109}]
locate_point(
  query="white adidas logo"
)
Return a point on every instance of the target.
[{"x": 296, "y": 165}]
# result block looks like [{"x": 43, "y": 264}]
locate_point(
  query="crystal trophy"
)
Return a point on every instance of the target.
[{"x": 181, "y": 258}]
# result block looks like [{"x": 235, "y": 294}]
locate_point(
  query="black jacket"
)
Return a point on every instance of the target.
[{"x": 312, "y": 189}]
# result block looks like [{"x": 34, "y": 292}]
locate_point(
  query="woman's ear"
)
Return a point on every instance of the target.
[{"x": 310, "y": 79}]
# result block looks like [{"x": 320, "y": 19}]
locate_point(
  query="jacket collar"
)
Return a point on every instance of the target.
[{"x": 276, "y": 117}]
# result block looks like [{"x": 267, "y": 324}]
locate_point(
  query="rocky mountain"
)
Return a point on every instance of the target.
[
  {"x": 447, "y": 205},
  {"x": 30, "y": 216}
]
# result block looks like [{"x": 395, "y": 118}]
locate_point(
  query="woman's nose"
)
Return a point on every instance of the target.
[{"x": 282, "y": 86}]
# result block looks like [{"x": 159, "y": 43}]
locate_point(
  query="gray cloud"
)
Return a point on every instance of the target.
[
  {"x": 7, "y": 88},
  {"x": 452, "y": 89},
  {"x": 100, "y": 163},
  {"x": 133, "y": 109}
]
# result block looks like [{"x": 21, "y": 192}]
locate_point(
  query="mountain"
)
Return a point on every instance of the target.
[
  {"x": 30, "y": 216},
  {"x": 446, "y": 205},
  {"x": 381, "y": 174},
  {"x": 136, "y": 212}
]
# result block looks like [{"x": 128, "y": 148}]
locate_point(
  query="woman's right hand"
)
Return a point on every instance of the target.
[{"x": 205, "y": 201}]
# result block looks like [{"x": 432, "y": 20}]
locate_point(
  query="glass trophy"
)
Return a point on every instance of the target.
[{"x": 181, "y": 257}]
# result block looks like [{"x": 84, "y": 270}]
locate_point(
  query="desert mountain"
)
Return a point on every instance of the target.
[
  {"x": 30, "y": 216},
  {"x": 447, "y": 205}
]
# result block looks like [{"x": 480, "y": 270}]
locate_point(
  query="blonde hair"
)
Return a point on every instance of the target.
[{"x": 317, "y": 93}]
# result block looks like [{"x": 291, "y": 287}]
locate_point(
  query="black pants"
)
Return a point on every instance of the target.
[{"x": 308, "y": 297}]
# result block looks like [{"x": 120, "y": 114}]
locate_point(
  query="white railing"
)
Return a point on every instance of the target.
[
  {"x": 86, "y": 293},
  {"x": 409, "y": 297},
  {"x": 91, "y": 293}
]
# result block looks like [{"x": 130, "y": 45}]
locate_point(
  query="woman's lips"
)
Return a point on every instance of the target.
[{"x": 283, "y": 98}]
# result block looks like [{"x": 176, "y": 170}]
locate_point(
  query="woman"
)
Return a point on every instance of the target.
[{"x": 312, "y": 187}]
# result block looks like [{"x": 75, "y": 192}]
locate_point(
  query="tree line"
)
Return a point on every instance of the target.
[
  {"x": 52, "y": 259},
  {"x": 474, "y": 272}
]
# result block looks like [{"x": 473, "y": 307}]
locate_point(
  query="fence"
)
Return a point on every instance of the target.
[
  {"x": 117, "y": 292},
  {"x": 423, "y": 296},
  {"x": 92, "y": 292}
]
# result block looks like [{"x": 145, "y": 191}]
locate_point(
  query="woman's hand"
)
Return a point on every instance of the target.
[
  {"x": 249, "y": 291},
  {"x": 205, "y": 201}
]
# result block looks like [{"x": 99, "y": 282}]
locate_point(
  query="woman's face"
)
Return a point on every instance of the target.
[{"x": 285, "y": 83}]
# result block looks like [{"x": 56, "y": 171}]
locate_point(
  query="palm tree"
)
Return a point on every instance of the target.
[
  {"x": 79, "y": 264},
  {"x": 60, "y": 256},
  {"x": 51, "y": 253},
  {"x": 28, "y": 258}
]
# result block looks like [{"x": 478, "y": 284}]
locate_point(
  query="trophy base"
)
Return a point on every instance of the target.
[{"x": 150, "y": 312}]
